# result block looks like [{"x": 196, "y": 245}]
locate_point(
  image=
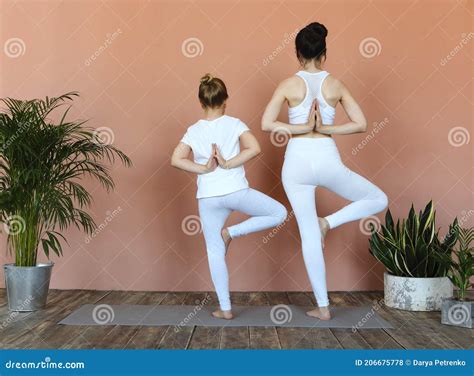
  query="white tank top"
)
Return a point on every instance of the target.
[{"x": 313, "y": 82}]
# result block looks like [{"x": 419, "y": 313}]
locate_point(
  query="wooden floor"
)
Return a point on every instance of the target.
[{"x": 412, "y": 330}]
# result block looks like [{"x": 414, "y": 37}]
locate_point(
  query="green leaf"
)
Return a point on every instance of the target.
[
  {"x": 41, "y": 168},
  {"x": 412, "y": 247}
]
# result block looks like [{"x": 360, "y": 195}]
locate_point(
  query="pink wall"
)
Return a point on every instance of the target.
[{"x": 143, "y": 87}]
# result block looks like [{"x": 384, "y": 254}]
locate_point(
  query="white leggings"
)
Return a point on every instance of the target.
[
  {"x": 265, "y": 212},
  {"x": 313, "y": 162}
]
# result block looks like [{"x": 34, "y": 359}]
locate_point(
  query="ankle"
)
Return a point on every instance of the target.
[
  {"x": 220, "y": 313},
  {"x": 225, "y": 233},
  {"x": 326, "y": 223}
]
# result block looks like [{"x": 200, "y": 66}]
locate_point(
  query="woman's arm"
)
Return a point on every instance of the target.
[
  {"x": 357, "y": 123},
  {"x": 180, "y": 159},
  {"x": 249, "y": 148},
  {"x": 269, "y": 118}
]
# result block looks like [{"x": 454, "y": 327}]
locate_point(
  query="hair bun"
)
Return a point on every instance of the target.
[
  {"x": 319, "y": 29},
  {"x": 207, "y": 79}
]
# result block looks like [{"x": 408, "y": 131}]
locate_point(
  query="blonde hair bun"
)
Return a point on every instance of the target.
[
  {"x": 207, "y": 79},
  {"x": 212, "y": 91}
]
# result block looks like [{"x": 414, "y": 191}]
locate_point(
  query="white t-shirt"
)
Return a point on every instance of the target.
[{"x": 225, "y": 132}]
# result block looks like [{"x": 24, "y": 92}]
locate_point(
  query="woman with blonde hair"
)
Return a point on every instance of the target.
[{"x": 221, "y": 145}]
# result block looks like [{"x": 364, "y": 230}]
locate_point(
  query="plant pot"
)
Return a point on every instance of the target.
[
  {"x": 458, "y": 313},
  {"x": 416, "y": 294},
  {"x": 27, "y": 287}
]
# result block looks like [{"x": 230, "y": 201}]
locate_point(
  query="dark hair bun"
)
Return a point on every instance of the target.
[
  {"x": 318, "y": 29},
  {"x": 310, "y": 41}
]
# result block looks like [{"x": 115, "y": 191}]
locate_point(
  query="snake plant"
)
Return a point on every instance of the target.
[
  {"x": 411, "y": 247},
  {"x": 461, "y": 266},
  {"x": 42, "y": 163}
]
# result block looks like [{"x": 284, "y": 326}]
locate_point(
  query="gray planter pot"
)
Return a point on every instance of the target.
[
  {"x": 416, "y": 294},
  {"x": 27, "y": 287},
  {"x": 458, "y": 313}
]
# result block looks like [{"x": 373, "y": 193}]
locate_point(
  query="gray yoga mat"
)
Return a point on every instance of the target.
[{"x": 363, "y": 317}]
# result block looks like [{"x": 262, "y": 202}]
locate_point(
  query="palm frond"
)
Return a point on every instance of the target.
[{"x": 42, "y": 163}]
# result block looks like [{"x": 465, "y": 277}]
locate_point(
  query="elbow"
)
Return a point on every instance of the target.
[
  {"x": 257, "y": 150},
  {"x": 254, "y": 151},
  {"x": 266, "y": 126},
  {"x": 174, "y": 162},
  {"x": 363, "y": 127}
]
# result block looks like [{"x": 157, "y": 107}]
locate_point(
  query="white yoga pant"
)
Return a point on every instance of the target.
[
  {"x": 313, "y": 162},
  {"x": 265, "y": 213}
]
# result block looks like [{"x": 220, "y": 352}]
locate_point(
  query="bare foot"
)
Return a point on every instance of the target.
[
  {"x": 324, "y": 228},
  {"x": 227, "y": 315},
  {"x": 226, "y": 237},
  {"x": 321, "y": 313}
]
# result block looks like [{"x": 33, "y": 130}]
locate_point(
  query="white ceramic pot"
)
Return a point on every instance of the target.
[{"x": 416, "y": 294}]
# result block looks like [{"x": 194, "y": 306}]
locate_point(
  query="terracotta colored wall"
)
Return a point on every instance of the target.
[{"x": 142, "y": 85}]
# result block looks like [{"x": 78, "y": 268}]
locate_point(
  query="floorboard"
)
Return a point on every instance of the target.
[
  {"x": 263, "y": 337},
  {"x": 40, "y": 329}
]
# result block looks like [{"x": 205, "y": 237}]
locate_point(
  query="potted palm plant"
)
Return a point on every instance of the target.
[
  {"x": 415, "y": 279},
  {"x": 42, "y": 163},
  {"x": 459, "y": 311}
]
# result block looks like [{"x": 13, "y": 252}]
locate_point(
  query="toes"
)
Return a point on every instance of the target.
[
  {"x": 222, "y": 315},
  {"x": 319, "y": 315}
]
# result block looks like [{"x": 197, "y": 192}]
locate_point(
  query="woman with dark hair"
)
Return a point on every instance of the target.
[{"x": 312, "y": 158}]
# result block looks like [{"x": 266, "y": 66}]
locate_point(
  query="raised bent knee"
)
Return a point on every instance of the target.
[
  {"x": 281, "y": 214},
  {"x": 382, "y": 201}
]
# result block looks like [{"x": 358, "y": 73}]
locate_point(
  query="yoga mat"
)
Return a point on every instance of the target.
[{"x": 362, "y": 317}]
